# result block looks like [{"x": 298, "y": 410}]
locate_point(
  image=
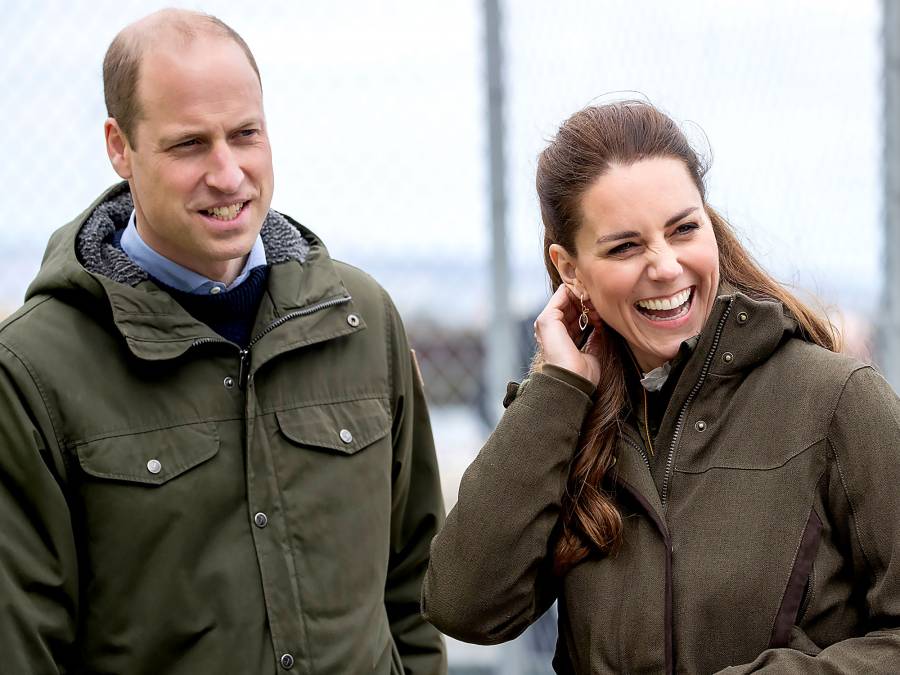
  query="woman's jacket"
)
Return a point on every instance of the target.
[{"x": 772, "y": 544}]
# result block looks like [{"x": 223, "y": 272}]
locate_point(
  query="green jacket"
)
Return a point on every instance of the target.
[
  {"x": 171, "y": 504},
  {"x": 772, "y": 544}
]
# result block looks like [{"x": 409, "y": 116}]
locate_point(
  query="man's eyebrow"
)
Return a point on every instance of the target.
[
  {"x": 249, "y": 122},
  {"x": 184, "y": 134},
  {"x": 629, "y": 234},
  {"x": 179, "y": 136}
]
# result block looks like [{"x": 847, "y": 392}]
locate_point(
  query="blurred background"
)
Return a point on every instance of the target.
[{"x": 405, "y": 134}]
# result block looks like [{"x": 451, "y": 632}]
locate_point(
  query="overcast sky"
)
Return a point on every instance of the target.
[{"x": 376, "y": 112}]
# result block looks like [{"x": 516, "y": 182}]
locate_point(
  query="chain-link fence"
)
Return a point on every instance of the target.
[{"x": 377, "y": 117}]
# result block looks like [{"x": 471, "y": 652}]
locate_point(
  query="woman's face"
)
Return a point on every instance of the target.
[{"x": 646, "y": 256}]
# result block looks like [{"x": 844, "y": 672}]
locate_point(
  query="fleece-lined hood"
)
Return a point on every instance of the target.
[{"x": 82, "y": 255}]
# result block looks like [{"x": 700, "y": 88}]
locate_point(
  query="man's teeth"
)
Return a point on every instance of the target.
[
  {"x": 672, "y": 302},
  {"x": 226, "y": 212}
]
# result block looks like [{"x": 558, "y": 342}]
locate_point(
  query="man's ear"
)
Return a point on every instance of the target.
[
  {"x": 565, "y": 265},
  {"x": 117, "y": 148}
]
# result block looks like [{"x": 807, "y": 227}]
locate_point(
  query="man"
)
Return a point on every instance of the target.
[{"x": 215, "y": 455}]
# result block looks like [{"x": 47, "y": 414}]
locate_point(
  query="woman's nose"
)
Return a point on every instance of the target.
[{"x": 664, "y": 265}]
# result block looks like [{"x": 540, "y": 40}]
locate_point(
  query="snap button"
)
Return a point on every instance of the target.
[
  {"x": 728, "y": 357},
  {"x": 153, "y": 466},
  {"x": 228, "y": 382},
  {"x": 700, "y": 426},
  {"x": 346, "y": 436},
  {"x": 742, "y": 317},
  {"x": 287, "y": 661},
  {"x": 353, "y": 320},
  {"x": 261, "y": 519}
]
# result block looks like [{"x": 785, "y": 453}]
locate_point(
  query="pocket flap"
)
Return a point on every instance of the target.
[
  {"x": 347, "y": 426},
  {"x": 149, "y": 457}
]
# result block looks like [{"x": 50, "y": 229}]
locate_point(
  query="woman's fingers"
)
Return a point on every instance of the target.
[{"x": 557, "y": 332}]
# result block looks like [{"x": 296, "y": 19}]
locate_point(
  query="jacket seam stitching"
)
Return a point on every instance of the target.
[
  {"x": 132, "y": 431},
  {"x": 24, "y": 314},
  {"x": 312, "y": 403},
  {"x": 787, "y": 461},
  {"x": 54, "y": 424},
  {"x": 389, "y": 338},
  {"x": 837, "y": 461}
]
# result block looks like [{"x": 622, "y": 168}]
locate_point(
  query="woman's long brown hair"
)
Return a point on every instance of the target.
[{"x": 586, "y": 146}]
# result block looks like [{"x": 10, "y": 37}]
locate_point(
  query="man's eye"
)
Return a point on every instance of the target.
[
  {"x": 187, "y": 144},
  {"x": 248, "y": 133}
]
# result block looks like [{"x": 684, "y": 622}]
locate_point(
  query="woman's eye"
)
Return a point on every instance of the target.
[
  {"x": 622, "y": 248},
  {"x": 684, "y": 228}
]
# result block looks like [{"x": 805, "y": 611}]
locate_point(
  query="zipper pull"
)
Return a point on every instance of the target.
[{"x": 244, "y": 370}]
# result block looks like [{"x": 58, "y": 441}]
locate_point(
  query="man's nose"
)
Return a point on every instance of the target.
[
  {"x": 224, "y": 172},
  {"x": 664, "y": 264}
]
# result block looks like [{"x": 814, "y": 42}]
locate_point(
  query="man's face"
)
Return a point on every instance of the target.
[{"x": 199, "y": 163}]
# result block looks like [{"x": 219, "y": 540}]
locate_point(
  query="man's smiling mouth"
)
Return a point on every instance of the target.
[{"x": 229, "y": 212}]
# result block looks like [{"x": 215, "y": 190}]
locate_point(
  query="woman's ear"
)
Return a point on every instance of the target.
[{"x": 565, "y": 265}]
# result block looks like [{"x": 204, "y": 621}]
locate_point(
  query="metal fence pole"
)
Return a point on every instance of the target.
[
  {"x": 889, "y": 323},
  {"x": 500, "y": 336}
]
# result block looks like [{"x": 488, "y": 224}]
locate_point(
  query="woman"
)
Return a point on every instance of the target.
[{"x": 706, "y": 485}]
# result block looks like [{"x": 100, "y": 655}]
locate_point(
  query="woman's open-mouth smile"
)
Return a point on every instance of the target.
[{"x": 666, "y": 311}]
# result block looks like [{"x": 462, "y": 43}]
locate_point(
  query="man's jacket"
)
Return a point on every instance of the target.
[
  {"x": 171, "y": 503},
  {"x": 771, "y": 542}
]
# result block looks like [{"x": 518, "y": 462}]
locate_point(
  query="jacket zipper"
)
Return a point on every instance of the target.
[
  {"x": 670, "y": 458},
  {"x": 669, "y": 621},
  {"x": 244, "y": 352},
  {"x": 639, "y": 449}
]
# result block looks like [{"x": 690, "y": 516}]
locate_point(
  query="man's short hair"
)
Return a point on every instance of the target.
[{"x": 121, "y": 65}]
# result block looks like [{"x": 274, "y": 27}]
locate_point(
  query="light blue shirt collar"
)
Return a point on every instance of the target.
[{"x": 179, "y": 277}]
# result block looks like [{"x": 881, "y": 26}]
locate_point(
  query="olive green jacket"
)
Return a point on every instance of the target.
[
  {"x": 772, "y": 544},
  {"x": 172, "y": 504}
]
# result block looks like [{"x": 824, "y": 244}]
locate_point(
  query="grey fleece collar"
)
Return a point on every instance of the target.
[{"x": 98, "y": 253}]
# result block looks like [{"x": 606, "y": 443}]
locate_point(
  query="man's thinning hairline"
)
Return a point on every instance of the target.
[{"x": 123, "y": 58}]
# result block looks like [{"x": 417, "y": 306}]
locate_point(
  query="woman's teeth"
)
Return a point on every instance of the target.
[
  {"x": 671, "y": 302},
  {"x": 666, "y": 309},
  {"x": 226, "y": 212}
]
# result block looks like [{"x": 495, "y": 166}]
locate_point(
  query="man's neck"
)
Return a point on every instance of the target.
[{"x": 180, "y": 276}]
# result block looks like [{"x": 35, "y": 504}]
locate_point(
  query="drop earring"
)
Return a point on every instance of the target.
[{"x": 583, "y": 320}]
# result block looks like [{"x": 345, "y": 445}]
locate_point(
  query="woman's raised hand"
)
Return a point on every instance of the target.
[{"x": 557, "y": 333}]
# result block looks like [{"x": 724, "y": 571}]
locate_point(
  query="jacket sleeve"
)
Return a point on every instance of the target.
[
  {"x": 490, "y": 574},
  {"x": 417, "y": 512},
  {"x": 864, "y": 499},
  {"x": 38, "y": 560}
]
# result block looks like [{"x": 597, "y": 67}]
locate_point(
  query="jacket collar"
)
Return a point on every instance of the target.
[
  {"x": 154, "y": 325},
  {"x": 739, "y": 334}
]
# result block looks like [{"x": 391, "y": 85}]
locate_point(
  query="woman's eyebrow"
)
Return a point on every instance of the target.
[
  {"x": 681, "y": 214},
  {"x": 616, "y": 236},
  {"x": 628, "y": 234}
]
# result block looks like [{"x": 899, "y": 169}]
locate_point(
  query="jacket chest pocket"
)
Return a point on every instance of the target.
[
  {"x": 344, "y": 428},
  {"x": 333, "y": 464},
  {"x": 142, "y": 493},
  {"x": 334, "y": 449},
  {"x": 150, "y": 458}
]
